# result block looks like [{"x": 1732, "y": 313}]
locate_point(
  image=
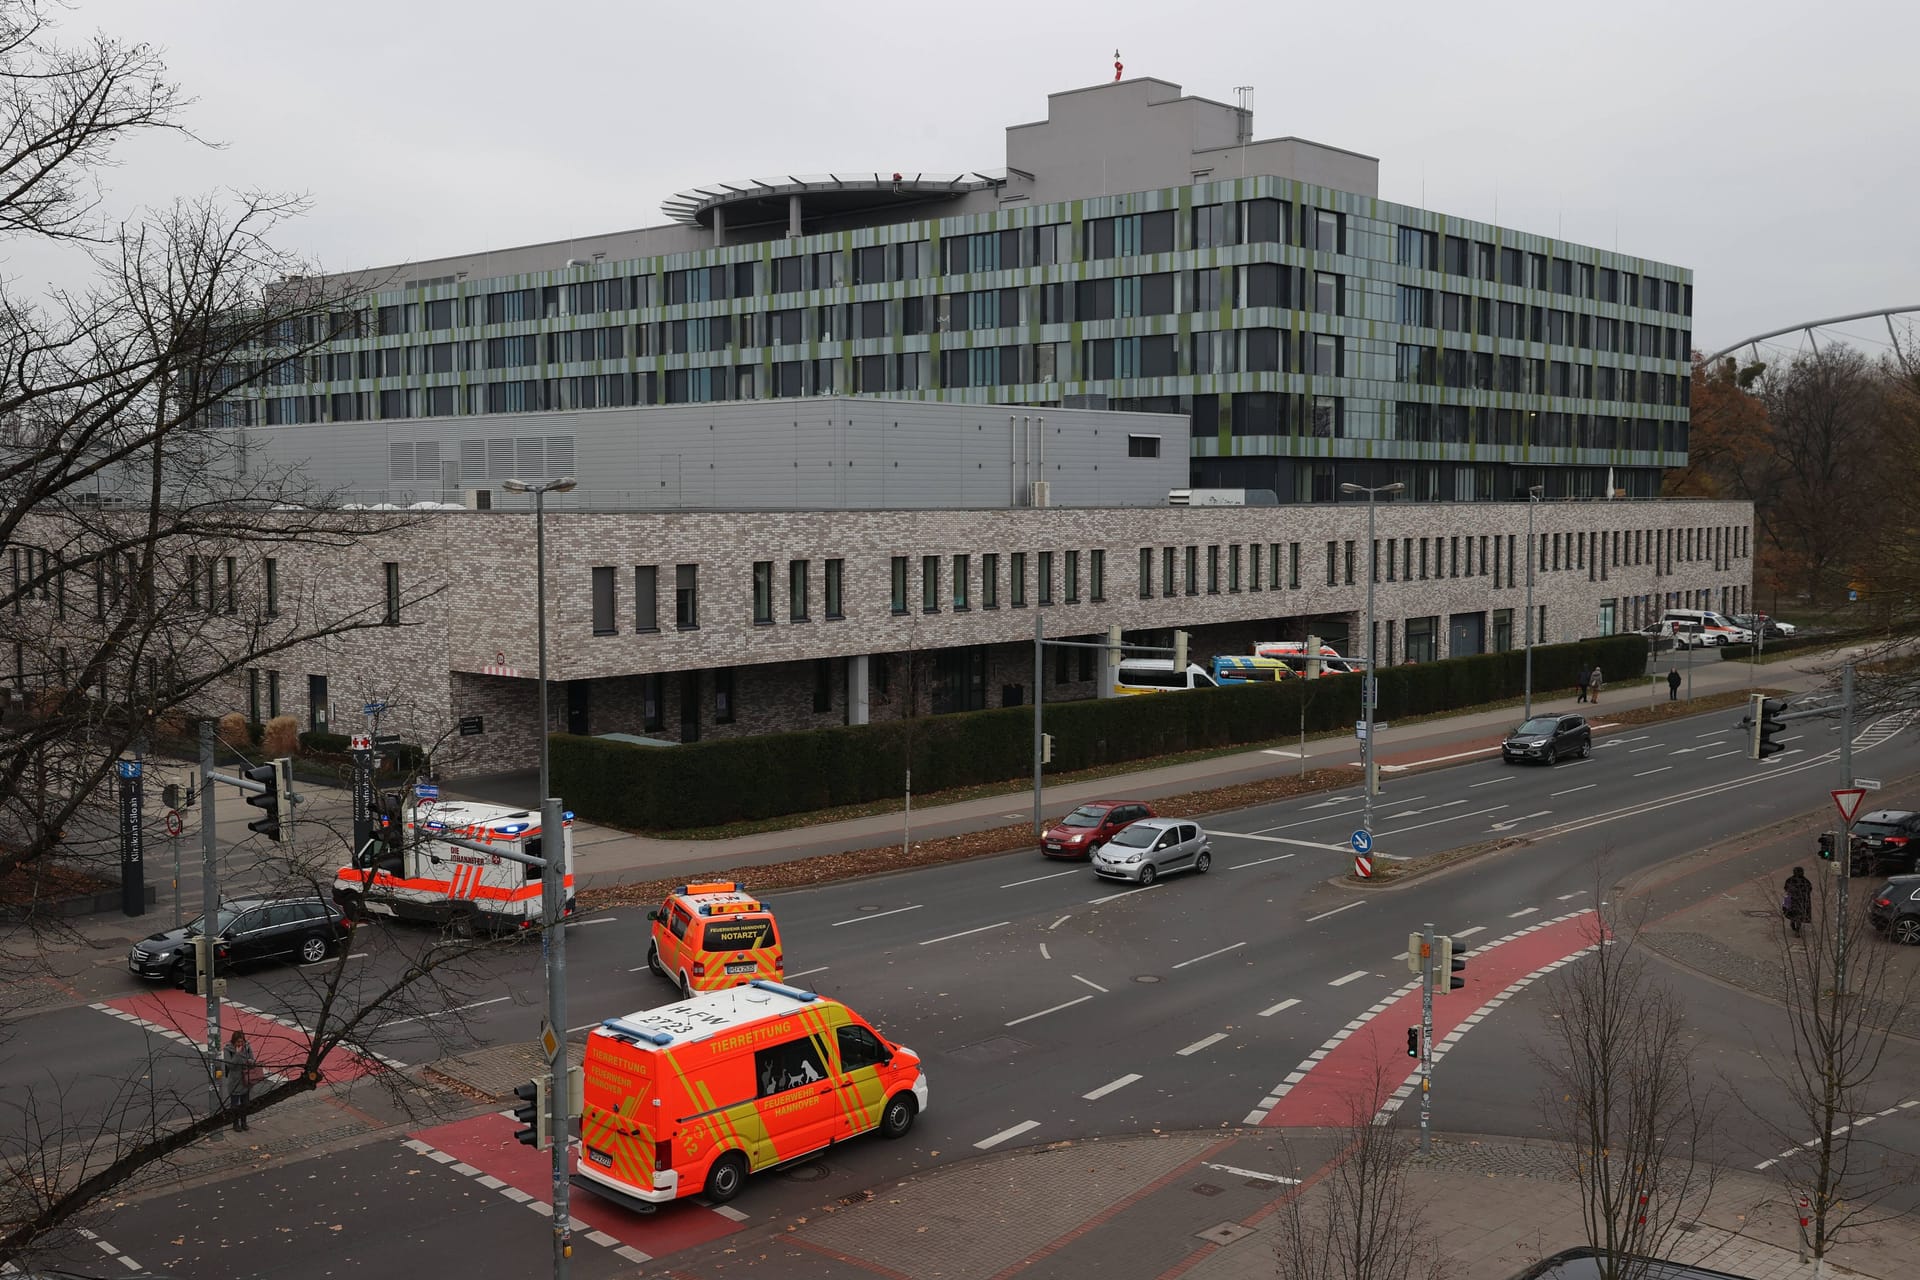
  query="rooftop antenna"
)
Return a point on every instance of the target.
[
  {"x": 1243, "y": 104},
  {"x": 1117, "y": 68}
]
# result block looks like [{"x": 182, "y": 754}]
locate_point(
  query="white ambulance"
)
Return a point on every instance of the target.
[{"x": 425, "y": 878}]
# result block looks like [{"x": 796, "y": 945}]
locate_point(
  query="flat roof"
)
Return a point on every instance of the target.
[
  {"x": 755, "y": 201},
  {"x": 707, "y": 1015}
]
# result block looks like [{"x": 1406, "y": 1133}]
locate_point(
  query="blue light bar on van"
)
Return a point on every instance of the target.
[
  {"x": 631, "y": 1031},
  {"x": 781, "y": 988}
]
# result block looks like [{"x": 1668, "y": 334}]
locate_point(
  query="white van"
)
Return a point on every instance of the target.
[
  {"x": 1157, "y": 675},
  {"x": 1716, "y": 628}
]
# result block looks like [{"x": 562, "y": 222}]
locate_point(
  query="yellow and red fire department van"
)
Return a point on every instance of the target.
[
  {"x": 694, "y": 1096},
  {"x": 707, "y": 937}
]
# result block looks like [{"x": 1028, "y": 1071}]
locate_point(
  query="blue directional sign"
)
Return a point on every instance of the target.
[
  {"x": 129, "y": 768},
  {"x": 426, "y": 791},
  {"x": 1362, "y": 842},
  {"x": 373, "y": 708}
]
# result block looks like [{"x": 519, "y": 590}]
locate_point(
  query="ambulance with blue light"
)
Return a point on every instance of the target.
[
  {"x": 411, "y": 874},
  {"x": 692, "y": 1097}
]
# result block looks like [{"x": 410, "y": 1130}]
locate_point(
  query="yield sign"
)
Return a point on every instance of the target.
[{"x": 1847, "y": 800}]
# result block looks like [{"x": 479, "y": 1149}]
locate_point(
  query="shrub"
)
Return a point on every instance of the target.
[
  {"x": 231, "y": 731},
  {"x": 280, "y": 737}
]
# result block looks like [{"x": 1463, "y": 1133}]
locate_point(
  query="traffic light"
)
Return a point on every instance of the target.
[
  {"x": 1413, "y": 1042},
  {"x": 1046, "y": 748},
  {"x": 576, "y": 1091},
  {"x": 1180, "y": 639},
  {"x": 1447, "y": 965},
  {"x": 1416, "y": 952},
  {"x": 1764, "y": 726},
  {"x": 532, "y": 1112},
  {"x": 275, "y": 802},
  {"x": 388, "y": 849},
  {"x": 1827, "y": 842}
]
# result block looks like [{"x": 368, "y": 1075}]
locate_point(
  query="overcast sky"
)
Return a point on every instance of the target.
[{"x": 1769, "y": 146}]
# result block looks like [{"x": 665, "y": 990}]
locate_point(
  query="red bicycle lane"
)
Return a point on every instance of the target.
[
  {"x": 279, "y": 1046},
  {"x": 1365, "y": 1064}
]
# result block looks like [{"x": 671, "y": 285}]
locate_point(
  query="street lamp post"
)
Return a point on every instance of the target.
[
  {"x": 553, "y": 893},
  {"x": 1370, "y": 681},
  {"x": 1533, "y": 497}
]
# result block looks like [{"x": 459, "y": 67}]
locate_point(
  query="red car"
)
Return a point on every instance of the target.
[{"x": 1093, "y": 823}]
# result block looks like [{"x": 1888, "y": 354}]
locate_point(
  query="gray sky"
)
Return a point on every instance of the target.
[{"x": 1767, "y": 145}]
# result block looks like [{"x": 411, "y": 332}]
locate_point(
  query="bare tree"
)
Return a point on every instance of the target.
[
  {"x": 1623, "y": 1101},
  {"x": 1841, "y": 996},
  {"x": 1358, "y": 1220}
]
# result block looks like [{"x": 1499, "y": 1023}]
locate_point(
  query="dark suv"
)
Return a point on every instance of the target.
[
  {"x": 245, "y": 930},
  {"x": 1886, "y": 840},
  {"x": 1547, "y": 740},
  {"x": 1895, "y": 909}
]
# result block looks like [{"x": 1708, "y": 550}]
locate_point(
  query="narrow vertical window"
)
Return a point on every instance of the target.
[
  {"x": 686, "y": 596},
  {"x": 762, "y": 593},
  {"x": 392, "y": 618},
  {"x": 1017, "y": 579},
  {"x": 603, "y": 623},
  {"x": 1043, "y": 572},
  {"x": 798, "y": 572},
  {"x": 271, "y": 572},
  {"x": 1146, "y": 573},
  {"x": 1097, "y": 575},
  {"x": 836, "y": 589},
  {"x": 930, "y": 584},
  {"x": 899, "y": 603},
  {"x": 645, "y": 598},
  {"x": 962, "y": 571}
]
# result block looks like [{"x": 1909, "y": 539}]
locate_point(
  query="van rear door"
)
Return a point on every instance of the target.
[{"x": 619, "y": 1119}]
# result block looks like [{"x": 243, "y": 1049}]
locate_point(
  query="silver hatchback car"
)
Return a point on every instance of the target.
[{"x": 1151, "y": 846}]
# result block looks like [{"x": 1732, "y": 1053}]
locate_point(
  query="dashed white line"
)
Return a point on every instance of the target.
[
  {"x": 1336, "y": 911},
  {"x": 1037, "y": 879},
  {"x": 1090, "y": 982},
  {"x": 1650, "y": 772},
  {"x": 1096, "y": 1094},
  {"x": 1468, "y": 933},
  {"x": 1206, "y": 1043},
  {"x": 1094, "y": 902},
  {"x": 1341, "y": 982},
  {"x": 581, "y": 924},
  {"x": 727, "y": 1211},
  {"x": 1242, "y": 866},
  {"x": 1570, "y": 790},
  {"x": 1524, "y": 911},
  {"x": 1576, "y": 893},
  {"x": 1057, "y": 923},
  {"x": 632, "y": 1254},
  {"x": 1490, "y": 781},
  {"x": 1044, "y": 953},
  {"x": 1652, "y": 746},
  {"x": 966, "y": 933},
  {"x": 1723, "y": 755},
  {"x": 1044, "y": 1012},
  {"x": 1278, "y": 1008},
  {"x": 1006, "y": 1134},
  {"x": 441, "y": 1013},
  {"x": 1210, "y": 955},
  {"x": 876, "y": 915},
  {"x": 804, "y": 973}
]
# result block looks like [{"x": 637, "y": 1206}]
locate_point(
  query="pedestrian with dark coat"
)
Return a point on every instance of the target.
[
  {"x": 1581, "y": 685},
  {"x": 242, "y": 1070},
  {"x": 1797, "y": 903},
  {"x": 1673, "y": 684}
]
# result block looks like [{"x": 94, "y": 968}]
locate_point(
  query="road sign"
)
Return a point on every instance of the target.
[
  {"x": 426, "y": 791},
  {"x": 1847, "y": 801},
  {"x": 549, "y": 1041},
  {"x": 1363, "y": 867},
  {"x": 1360, "y": 730},
  {"x": 129, "y": 768},
  {"x": 374, "y": 708},
  {"x": 1363, "y": 841},
  {"x": 1867, "y": 784},
  {"x": 386, "y": 739},
  {"x": 471, "y": 725},
  {"x": 175, "y": 823},
  {"x": 362, "y": 742}
]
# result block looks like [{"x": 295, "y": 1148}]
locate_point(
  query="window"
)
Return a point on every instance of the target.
[
  {"x": 1213, "y": 569},
  {"x": 962, "y": 571},
  {"x": 392, "y": 618},
  {"x": 271, "y": 567},
  {"x": 1143, "y": 446},
  {"x": 273, "y": 694},
  {"x": 1253, "y": 566},
  {"x": 723, "y": 696},
  {"x": 1017, "y": 584},
  {"x": 859, "y": 1048},
  {"x": 1233, "y": 567},
  {"x": 823, "y": 684},
  {"x": 1097, "y": 575},
  {"x": 798, "y": 572},
  {"x": 686, "y": 596},
  {"x": 1043, "y": 571},
  {"x": 603, "y": 623},
  {"x": 930, "y": 584},
  {"x": 899, "y": 584},
  {"x": 1333, "y": 564},
  {"x": 253, "y": 693},
  {"x": 990, "y": 581},
  {"x": 318, "y": 704},
  {"x": 1349, "y": 563},
  {"x": 1146, "y": 573},
  {"x": 836, "y": 595},
  {"x": 1073, "y": 577},
  {"x": 1166, "y": 572},
  {"x": 1293, "y": 566},
  {"x": 791, "y": 1065},
  {"x": 646, "y": 584},
  {"x": 1326, "y": 293},
  {"x": 763, "y": 593}
]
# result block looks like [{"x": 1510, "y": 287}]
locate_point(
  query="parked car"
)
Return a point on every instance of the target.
[
  {"x": 1675, "y": 635},
  {"x": 1548, "y": 740},
  {"x": 1758, "y": 622},
  {"x": 1895, "y": 909},
  {"x": 246, "y": 930},
  {"x": 1886, "y": 840},
  {"x": 1092, "y": 824},
  {"x": 1151, "y": 846}
]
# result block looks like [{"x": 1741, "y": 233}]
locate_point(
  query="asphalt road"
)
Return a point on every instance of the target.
[{"x": 1052, "y": 1005}]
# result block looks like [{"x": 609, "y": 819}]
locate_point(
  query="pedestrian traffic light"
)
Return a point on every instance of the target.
[
  {"x": 275, "y": 802},
  {"x": 1448, "y": 964},
  {"x": 1413, "y": 1042},
  {"x": 1046, "y": 748},
  {"x": 532, "y": 1112},
  {"x": 1416, "y": 951},
  {"x": 1764, "y": 726},
  {"x": 1827, "y": 842}
]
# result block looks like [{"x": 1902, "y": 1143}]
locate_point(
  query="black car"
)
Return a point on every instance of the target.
[
  {"x": 246, "y": 930},
  {"x": 1547, "y": 740},
  {"x": 1886, "y": 840},
  {"x": 1895, "y": 909}
]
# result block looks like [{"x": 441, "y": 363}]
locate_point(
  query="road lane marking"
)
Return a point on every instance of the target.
[
  {"x": 1511, "y": 823},
  {"x": 1124, "y": 893},
  {"x": 1057, "y": 923},
  {"x": 1432, "y": 823},
  {"x": 1554, "y": 795},
  {"x": 1055, "y": 875},
  {"x": 1304, "y": 844},
  {"x": 1242, "y": 866},
  {"x": 1275, "y": 751},
  {"x": 1094, "y": 1095},
  {"x": 876, "y": 915},
  {"x": 1005, "y": 1134},
  {"x": 1650, "y": 772},
  {"x": 1651, "y": 746},
  {"x": 1458, "y": 755},
  {"x": 1282, "y": 1007},
  {"x": 1712, "y": 733},
  {"x": 1468, "y": 933},
  {"x": 441, "y": 1013},
  {"x": 804, "y": 972},
  {"x": 1524, "y": 911},
  {"x": 1198, "y": 1045},
  {"x": 581, "y": 924},
  {"x": 1336, "y": 911},
  {"x": 1490, "y": 781},
  {"x": 1256, "y": 1175},
  {"x": 966, "y": 933},
  {"x": 1090, "y": 982},
  {"x": 1210, "y": 955},
  {"x": 1432, "y": 808},
  {"x": 1576, "y": 893},
  {"x": 1044, "y": 1012},
  {"x": 1044, "y": 953},
  {"x": 1341, "y": 982},
  {"x": 1723, "y": 755}
]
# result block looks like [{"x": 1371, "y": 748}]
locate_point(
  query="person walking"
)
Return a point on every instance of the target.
[
  {"x": 1593, "y": 684},
  {"x": 1581, "y": 685},
  {"x": 242, "y": 1068},
  {"x": 1673, "y": 684},
  {"x": 1797, "y": 904}
]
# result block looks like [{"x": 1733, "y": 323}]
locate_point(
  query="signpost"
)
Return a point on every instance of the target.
[
  {"x": 1363, "y": 866},
  {"x": 133, "y": 877},
  {"x": 1363, "y": 841},
  {"x": 1847, "y": 801}
]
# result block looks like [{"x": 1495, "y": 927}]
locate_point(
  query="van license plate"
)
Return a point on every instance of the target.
[
  {"x": 600, "y": 1158},
  {"x": 748, "y": 967}
]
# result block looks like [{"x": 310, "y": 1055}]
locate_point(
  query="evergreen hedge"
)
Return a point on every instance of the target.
[{"x": 742, "y": 779}]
